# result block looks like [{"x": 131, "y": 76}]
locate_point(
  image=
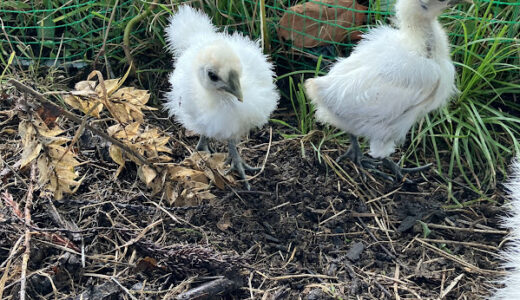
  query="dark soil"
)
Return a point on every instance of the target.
[{"x": 303, "y": 232}]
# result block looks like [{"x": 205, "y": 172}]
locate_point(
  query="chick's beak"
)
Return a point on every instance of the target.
[{"x": 233, "y": 86}]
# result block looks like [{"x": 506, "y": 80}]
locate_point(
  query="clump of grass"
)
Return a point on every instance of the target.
[
  {"x": 304, "y": 126},
  {"x": 302, "y": 107},
  {"x": 481, "y": 127}
]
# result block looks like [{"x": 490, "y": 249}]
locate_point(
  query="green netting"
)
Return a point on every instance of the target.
[
  {"x": 74, "y": 30},
  {"x": 64, "y": 30},
  {"x": 244, "y": 16}
]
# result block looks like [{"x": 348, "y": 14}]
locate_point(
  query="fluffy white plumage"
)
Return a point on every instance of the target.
[
  {"x": 393, "y": 77},
  {"x": 214, "y": 113},
  {"x": 511, "y": 254}
]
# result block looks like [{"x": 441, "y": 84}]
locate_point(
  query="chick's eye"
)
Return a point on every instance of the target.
[{"x": 212, "y": 76}]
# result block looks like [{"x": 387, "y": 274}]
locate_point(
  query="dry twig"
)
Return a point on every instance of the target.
[
  {"x": 27, "y": 242},
  {"x": 210, "y": 290}
]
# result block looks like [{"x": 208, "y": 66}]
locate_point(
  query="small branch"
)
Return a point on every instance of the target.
[
  {"x": 122, "y": 287},
  {"x": 210, "y": 290},
  {"x": 27, "y": 242},
  {"x": 20, "y": 86}
]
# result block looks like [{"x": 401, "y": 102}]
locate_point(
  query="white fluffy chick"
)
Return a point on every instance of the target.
[
  {"x": 222, "y": 84},
  {"x": 393, "y": 77},
  {"x": 511, "y": 254}
]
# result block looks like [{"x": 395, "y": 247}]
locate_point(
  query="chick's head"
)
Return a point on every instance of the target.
[
  {"x": 219, "y": 70},
  {"x": 424, "y": 9}
]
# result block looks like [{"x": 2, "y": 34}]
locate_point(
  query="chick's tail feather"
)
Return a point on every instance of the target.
[
  {"x": 511, "y": 254},
  {"x": 185, "y": 27},
  {"x": 311, "y": 89}
]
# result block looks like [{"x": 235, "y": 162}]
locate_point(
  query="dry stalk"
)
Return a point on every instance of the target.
[
  {"x": 27, "y": 242},
  {"x": 5, "y": 276},
  {"x": 469, "y": 267},
  {"x": 451, "y": 286},
  {"x": 474, "y": 230}
]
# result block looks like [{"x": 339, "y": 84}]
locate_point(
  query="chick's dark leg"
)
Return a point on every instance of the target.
[
  {"x": 203, "y": 144},
  {"x": 398, "y": 171},
  {"x": 355, "y": 155},
  {"x": 237, "y": 164}
]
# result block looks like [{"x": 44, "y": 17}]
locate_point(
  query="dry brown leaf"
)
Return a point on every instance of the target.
[
  {"x": 48, "y": 113},
  {"x": 147, "y": 264},
  {"x": 61, "y": 155},
  {"x": 299, "y": 22},
  {"x": 148, "y": 142},
  {"x": 129, "y": 132},
  {"x": 85, "y": 105},
  {"x": 212, "y": 164},
  {"x": 224, "y": 223},
  {"x": 125, "y": 103},
  {"x": 218, "y": 179},
  {"x": 44, "y": 171},
  {"x": 112, "y": 130},
  {"x": 187, "y": 183},
  {"x": 30, "y": 152},
  {"x": 187, "y": 175},
  {"x": 51, "y": 132},
  {"x": 111, "y": 85},
  {"x": 194, "y": 193},
  {"x": 116, "y": 154},
  {"x": 26, "y": 131},
  {"x": 171, "y": 191},
  {"x": 55, "y": 161},
  {"x": 146, "y": 174},
  {"x": 86, "y": 87}
]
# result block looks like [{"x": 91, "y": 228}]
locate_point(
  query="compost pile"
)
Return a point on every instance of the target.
[{"x": 83, "y": 218}]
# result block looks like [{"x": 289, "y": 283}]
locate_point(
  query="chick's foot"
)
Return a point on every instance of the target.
[
  {"x": 399, "y": 172},
  {"x": 237, "y": 164},
  {"x": 356, "y": 156},
  {"x": 203, "y": 145}
]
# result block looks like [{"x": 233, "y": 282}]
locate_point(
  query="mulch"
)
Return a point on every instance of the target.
[{"x": 308, "y": 229}]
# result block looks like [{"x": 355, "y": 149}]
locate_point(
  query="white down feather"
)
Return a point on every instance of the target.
[
  {"x": 216, "y": 115},
  {"x": 511, "y": 254}
]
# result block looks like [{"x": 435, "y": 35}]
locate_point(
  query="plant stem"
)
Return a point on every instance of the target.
[{"x": 126, "y": 36}]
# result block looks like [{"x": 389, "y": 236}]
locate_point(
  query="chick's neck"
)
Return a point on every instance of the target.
[{"x": 424, "y": 35}]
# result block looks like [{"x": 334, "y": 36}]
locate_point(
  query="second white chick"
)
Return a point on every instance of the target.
[
  {"x": 511, "y": 252},
  {"x": 222, "y": 84},
  {"x": 393, "y": 77}
]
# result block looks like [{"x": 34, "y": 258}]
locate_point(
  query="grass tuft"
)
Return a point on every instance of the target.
[{"x": 476, "y": 135}]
